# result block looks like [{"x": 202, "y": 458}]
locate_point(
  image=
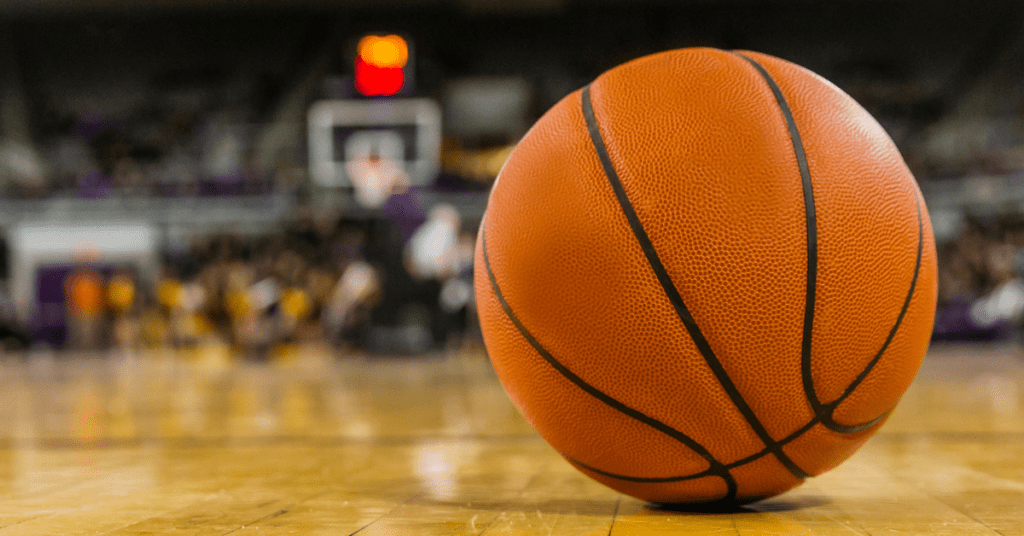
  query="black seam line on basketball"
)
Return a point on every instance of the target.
[
  {"x": 730, "y": 483},
  {"x": 673, "y": 294},
  {"x": 743, "y": 461},
  {"x": 643, "y": 479},
  {"x": 812, "y": 232},
  {"x": 801, "y": 431},
  {"x": 782, "y": 442},
  {"x": 730, "y": 491},
  {"x": 733, "y": 465},
  {"x": 823, "y": 412},
  {"x": 827, "y": 418},
  {"x": 717, "y": 466},
  {"x": 730, "y": 466}
]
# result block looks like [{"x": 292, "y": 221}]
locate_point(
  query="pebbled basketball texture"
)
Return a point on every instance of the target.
[{"x": 706, "y": 276}]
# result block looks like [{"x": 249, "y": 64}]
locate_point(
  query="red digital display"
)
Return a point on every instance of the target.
[
  {"x": 373, "y": 81},
  {"x": 380, "y": 65}
]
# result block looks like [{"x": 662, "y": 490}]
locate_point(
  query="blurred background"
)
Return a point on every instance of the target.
[{"x": 257, "y": 175}]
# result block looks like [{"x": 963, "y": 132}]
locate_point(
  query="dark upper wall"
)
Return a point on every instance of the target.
[{"x": 909, "y": 62}]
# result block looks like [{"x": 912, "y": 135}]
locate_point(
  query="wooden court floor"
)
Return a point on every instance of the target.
[{"x": 198, "y": 443}]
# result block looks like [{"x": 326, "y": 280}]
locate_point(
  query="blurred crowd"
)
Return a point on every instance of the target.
[
  {"x": 389, "y": 285},
  {"x": 383, "y": 285},
  {"x": 981, "y": 293}
]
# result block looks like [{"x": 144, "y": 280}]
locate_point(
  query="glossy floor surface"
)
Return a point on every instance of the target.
[{"x": 313, "y": 443}]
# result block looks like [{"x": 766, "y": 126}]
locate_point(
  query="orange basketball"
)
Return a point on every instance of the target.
[{"x": 706, "y": 276}]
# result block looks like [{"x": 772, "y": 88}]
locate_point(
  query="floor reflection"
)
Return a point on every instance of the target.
[{"x": 334, "y": 444}]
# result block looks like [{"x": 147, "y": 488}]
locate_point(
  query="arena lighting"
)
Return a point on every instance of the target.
[{"x": 380, "y": 65}]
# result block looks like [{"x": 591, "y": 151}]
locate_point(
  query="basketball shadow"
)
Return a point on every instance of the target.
[
  {"x": 772, "y": 505},
  {"x": 594, "y": 507},
  {"x": 789, "y": 504},
  {"x": 716, "y": 507},
  {"x": 482, "y": 495}
]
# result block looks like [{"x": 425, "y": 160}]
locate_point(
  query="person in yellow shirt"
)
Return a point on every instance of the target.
[
  {"x": 121, "y": 293},
  {"x": 295, "y": 306},
  {"x": 168, "y": 292},
  {"x": 121, "y": 298}
]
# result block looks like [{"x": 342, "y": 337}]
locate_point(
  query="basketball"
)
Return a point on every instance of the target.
[{"x": 706, "y": 276}]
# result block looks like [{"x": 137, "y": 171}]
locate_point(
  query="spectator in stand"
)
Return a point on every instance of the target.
[
  {"x": 346, "y": 315},
  {"x": 190, "y": 322},
  {"x": 980, "y": 291},
  {"x": 457, "y": 294},
  {"x": 294, "y": 309},
  {"x": 402, "y": 210},
  {"x": 432, "y": 257},
  {"x": 432, "y": 253},
  {"x": 122, "y": 297},
  {"x": 86, "y": 303}
]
